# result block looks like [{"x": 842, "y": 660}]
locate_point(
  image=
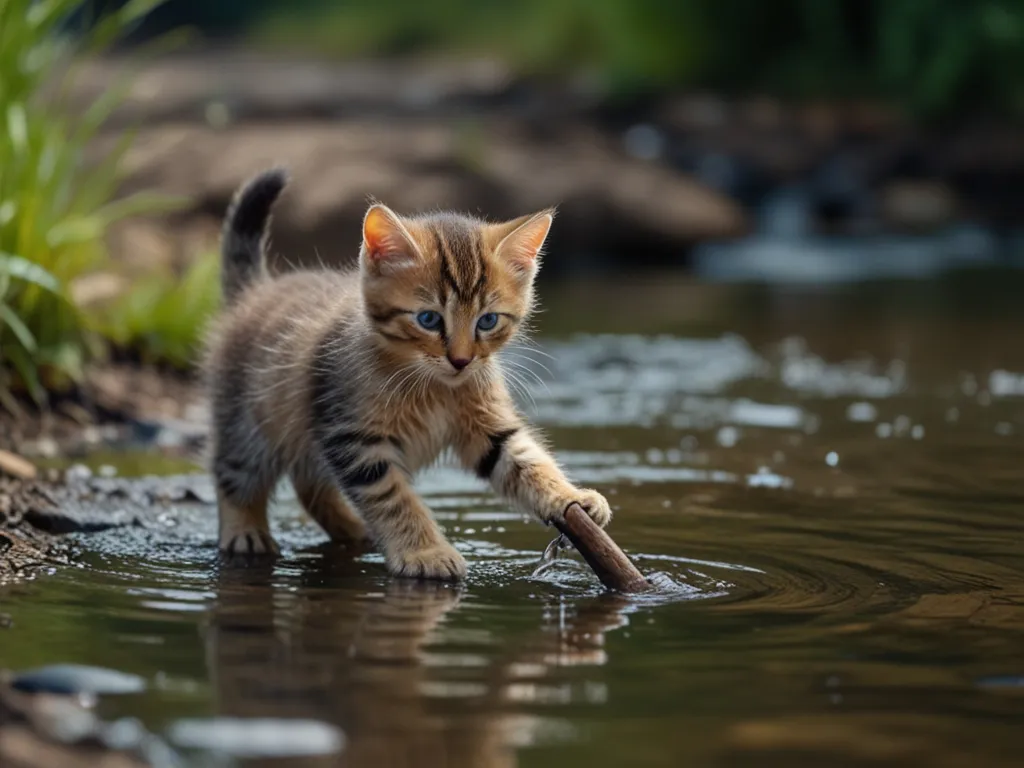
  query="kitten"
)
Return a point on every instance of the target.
[{"x": 351, "y": 381}]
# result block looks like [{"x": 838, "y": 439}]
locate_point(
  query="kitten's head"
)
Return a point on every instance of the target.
[{"x": 445, "y": 291}]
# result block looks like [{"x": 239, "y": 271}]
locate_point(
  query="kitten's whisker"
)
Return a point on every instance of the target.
[
  {"x": 513, "y": 367},
  {"x": 530, "y": 360},
  {"x": 520, "y": 386},
  {"x": 533, "y": 346},
  {"x": 410, "y": 371}
]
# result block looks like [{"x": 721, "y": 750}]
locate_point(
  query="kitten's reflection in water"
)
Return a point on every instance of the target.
[{"x": 362, "y": 661}]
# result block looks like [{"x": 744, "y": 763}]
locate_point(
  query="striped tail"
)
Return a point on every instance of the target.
[{"x": 246, "y": 229}]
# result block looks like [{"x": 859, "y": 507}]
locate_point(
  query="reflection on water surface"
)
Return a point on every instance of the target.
[{"x": 833, "y": 480}]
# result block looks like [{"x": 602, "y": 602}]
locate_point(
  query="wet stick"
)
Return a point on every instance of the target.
[{"x": 603, "y": 555}]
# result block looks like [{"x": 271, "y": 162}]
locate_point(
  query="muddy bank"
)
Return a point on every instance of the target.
[
  {"x": 36, "y": 513},
  {"x": 635, "y": 183}
]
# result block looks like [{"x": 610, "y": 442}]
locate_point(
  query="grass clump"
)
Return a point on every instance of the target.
[
  {"x": 56, "y": 203},
  {"x": 161, "y": 320}
]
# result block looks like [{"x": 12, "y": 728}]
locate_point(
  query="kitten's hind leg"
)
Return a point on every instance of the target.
[
  {"x": 244, "y": 483},
  {"x": 325, "y": 504}
]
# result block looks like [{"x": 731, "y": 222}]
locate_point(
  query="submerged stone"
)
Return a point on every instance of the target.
[{"x": 70, "y": 679}]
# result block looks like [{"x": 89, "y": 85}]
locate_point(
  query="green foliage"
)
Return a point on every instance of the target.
[
  {"x": 56, "y": 204},
  {"x": 933, "y": 56},
  {"x": 162, "y": 319}
]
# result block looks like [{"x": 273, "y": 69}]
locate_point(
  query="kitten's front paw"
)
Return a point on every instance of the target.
[
  {"x": 441, "y": 561},
  {"x": 594, "y": 504}
]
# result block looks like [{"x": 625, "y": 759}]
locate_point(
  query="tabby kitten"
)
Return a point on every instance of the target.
[{"x": 351, "y": 381}]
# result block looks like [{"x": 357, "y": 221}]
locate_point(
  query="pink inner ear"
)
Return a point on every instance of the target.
[
  {"x": 524, "y": 244},
  {"x": 383, "y": 237}
]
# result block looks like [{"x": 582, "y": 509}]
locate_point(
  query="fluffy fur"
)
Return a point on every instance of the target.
[{"x": 329, "y": 377}]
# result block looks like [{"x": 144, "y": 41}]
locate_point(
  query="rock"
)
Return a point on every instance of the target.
[
  {"x": 16, "y": 553},
  {"x": 71, "y": 518},
  {"x": 918, "y": 205},
  {"x": 71, "y": 679},
  {"x": 602, "y": 194},
  {"x": 15, "y": 466}
]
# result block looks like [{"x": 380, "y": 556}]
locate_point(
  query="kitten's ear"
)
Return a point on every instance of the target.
[
  {"x": 522, "y": 240},
  {"x": 386, "y": 241}
]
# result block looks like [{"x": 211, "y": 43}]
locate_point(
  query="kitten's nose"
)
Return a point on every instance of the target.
[{"x": 458, "y": 363}]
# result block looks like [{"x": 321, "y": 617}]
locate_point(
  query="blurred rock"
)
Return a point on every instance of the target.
[
  {"x": 918, "y": 204},
  {"x": 645, "y": 178},
  {"x": 419, "y": 166},
  {"x": 68, "y": 679}
]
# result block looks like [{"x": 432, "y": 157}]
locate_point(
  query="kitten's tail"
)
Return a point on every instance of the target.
[{"x": 245, "y": 233}]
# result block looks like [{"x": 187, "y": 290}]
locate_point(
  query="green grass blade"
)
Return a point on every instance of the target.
[
  {"x": 18, "y": 328},
  {"x": 22, "y": 269}
]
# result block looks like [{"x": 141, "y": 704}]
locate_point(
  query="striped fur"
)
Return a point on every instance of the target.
[{"x": 328, "y": 377}]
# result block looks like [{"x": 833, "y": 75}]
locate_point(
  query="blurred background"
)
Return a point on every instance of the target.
[{"x": 685, "y": 144}]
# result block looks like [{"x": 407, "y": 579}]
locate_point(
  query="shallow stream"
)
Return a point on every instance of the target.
[{"x": 832, "y": 480}]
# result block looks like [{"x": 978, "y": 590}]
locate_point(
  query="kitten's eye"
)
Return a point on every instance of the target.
[
  {"x": 429, "y": 319},
  {"x": 487, "y": 321}
]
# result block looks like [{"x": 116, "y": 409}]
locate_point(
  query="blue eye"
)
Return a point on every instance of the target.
[
  {"x": 430, "y": 319},
  {"x": 487, "y": 321}
]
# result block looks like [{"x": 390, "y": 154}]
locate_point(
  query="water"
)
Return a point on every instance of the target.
[{"x": 830, "y": 483}]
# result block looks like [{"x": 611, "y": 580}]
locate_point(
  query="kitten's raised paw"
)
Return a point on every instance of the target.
[
  {"x": 438, "y": 562},
  {"x": 249, "y": 544},
  {"x": 595, "y": 505}
]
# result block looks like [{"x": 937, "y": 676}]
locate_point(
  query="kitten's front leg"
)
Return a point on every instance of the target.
[
  {"x": 370, "y": 472},
  {"x": 522, "y": 471}
]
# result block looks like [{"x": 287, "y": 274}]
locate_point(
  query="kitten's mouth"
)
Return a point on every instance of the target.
[{"x": 456, "y": 378}]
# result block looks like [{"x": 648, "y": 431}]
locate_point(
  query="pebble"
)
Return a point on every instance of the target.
[{"x": 77, "y": 473}]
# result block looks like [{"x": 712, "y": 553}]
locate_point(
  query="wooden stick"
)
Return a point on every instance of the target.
[{"x": 613, "y": 568}]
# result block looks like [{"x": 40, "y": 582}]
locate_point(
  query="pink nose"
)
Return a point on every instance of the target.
[{"x": 458, "y": 363}]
